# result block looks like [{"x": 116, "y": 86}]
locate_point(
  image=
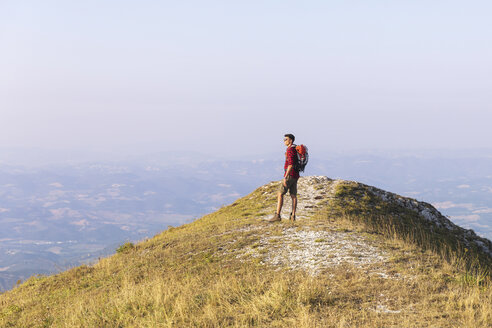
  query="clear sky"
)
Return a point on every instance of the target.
[{"x": 234, "y": 76}]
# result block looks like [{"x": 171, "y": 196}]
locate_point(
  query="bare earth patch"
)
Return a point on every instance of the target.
[{"x": 314, "y": 251}]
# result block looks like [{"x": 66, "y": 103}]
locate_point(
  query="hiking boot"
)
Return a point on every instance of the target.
[
  {"x": 275, "y": 218},
  {"x": 292, "y": 217}
]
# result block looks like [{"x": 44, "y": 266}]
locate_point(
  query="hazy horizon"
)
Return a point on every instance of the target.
[{"x": 39, "y": 156}]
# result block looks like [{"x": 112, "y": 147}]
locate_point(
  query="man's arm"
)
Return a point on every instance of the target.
[
  {"x": 290, "y": 163},
  {"x": 287, "y": 172}
]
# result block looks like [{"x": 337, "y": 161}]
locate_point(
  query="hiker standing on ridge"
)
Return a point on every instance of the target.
[{"x": 289, "y": 182}]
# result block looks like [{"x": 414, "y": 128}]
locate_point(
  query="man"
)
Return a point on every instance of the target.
[{"x": 289, "y": 182}]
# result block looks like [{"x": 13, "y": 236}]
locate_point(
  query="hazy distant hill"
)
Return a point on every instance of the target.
[{"x": 356, "y": 256}]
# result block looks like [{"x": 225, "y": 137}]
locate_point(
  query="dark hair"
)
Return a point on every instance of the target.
[{"x": 291, "y": 136}]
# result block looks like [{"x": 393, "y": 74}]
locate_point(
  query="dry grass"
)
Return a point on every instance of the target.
[
  {"x": 393, "y": 221},
  {"x": 180, "y": 278}
]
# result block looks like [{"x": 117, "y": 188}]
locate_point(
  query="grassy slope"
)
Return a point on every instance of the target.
[{"x": 180, "y": 278}]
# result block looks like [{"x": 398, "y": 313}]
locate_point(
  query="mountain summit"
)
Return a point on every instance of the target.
[{"x": 357, "y": 256}]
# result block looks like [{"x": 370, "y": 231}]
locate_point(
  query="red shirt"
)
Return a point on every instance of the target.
[{"x": 291, "y": 159}]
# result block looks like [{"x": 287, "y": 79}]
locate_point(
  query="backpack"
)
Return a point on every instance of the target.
[{"x": 302, "y": 157}]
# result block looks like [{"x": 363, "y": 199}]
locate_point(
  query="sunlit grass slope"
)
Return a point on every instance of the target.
[{"x": 191, "y": 276}]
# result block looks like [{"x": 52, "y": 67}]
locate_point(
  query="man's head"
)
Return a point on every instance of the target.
[{"x": 289, "y": 139}]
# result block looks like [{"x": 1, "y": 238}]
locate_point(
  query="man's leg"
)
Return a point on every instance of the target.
[
  {"x": 280, "y": 197},
  {"x": 294, "y": 205},
  {"x": 293, "y": 195},
  {"x": 280, "y": 202}
]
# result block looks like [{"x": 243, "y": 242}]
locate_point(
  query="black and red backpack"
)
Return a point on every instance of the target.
[{"x": 302, "y": 157}]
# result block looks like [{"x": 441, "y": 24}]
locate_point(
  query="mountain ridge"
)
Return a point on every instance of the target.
[{"x": 321, "y": 191}]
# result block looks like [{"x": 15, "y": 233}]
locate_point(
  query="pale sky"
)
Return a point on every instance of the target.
[{"x": 233, "y": 77}]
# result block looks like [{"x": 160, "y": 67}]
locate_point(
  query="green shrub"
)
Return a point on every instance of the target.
[{"x": 125, "y": 248}]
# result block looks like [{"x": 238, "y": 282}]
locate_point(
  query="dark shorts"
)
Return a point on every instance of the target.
[{"x": 291, "y": 186}]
